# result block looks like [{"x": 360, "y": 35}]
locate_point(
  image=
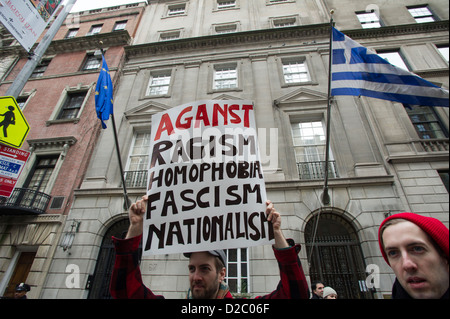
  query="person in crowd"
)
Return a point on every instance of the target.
[
  {"x": 417, "y": 249},
  {"x": 317, "y": 290},
  {"x": 329, "y": 293},
  {"x": 21, "y": 291},
  {"x": 207, "y": 269}
]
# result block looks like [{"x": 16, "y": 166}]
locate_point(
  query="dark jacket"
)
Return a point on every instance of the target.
[{"x": 126, "y": 279}]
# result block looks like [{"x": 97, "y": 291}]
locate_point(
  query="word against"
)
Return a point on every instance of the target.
[
  {"x": 73, "y": 280},
  {"x": 229, "y": 308},
  {"x": 373, "y": 279}
]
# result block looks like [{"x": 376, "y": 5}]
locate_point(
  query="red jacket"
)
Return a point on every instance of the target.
[{"x": 126, "y": 280}]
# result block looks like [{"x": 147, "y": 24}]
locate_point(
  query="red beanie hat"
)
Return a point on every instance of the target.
[{"x": 432, "y": 226}]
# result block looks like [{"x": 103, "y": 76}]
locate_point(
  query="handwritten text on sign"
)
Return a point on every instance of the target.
[{"x": 205, "y": 187}]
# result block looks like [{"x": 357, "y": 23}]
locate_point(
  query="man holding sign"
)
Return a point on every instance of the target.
[
  {"x": 205, "y": 189},
  {"x": 206, "y": 269}
]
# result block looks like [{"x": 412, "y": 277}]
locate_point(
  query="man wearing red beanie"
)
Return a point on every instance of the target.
[{"x": 417, "y": 249}]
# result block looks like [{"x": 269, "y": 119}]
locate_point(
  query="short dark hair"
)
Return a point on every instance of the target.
[{"x": 314, "y": 285}]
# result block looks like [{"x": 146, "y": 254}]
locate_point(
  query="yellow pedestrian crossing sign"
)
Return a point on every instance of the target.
[{"x": 13, "y": 125}]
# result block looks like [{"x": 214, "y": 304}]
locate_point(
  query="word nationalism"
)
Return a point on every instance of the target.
[{"x": 211, "y": 229}]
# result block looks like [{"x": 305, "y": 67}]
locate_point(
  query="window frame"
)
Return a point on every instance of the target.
[
  {"x": 93, "y": 29},
  {"x": 306, "y": 60},
  {"x": 150, "y": 74},
  {"x": 366, "y": 24},
  {"x": 431, "y": 14},
  {"x": 54, "y": 118},
  {"x": 89, "y": 59},
  {"x": 221, "y": 66},
  {"x": 239, "y": 273}
]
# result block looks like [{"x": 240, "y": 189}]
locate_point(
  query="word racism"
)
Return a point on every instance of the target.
[{"x": 205, "y": 181}]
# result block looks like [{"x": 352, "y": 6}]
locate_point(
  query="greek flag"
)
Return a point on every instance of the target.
[
  {"x": 104, "y": 94},
  {"x": 358, "y": 71}
]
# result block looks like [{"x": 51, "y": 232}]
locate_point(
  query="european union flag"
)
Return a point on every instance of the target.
[{"x": 104, "y": 94}]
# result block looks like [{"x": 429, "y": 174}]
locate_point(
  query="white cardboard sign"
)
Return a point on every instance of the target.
[{"x": 205, "y": 181}]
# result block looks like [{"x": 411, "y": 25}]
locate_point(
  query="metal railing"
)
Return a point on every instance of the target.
[
  {"x": 316, "y": 170},
  {"x": 26, "y": 200},
  {"x": 136, "y": 178}
]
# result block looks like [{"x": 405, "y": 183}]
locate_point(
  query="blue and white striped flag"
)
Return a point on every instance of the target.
[{"x": 358, "y": 71}]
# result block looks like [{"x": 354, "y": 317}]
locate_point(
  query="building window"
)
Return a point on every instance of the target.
[
  {"x": 71, "y": 33},
  {"x": 225, "y": 77},
  {"x": 40, "y": 175},
  {"x": 226, "y": 4},
  {"x": 120, "y": 25},
  {"x": 159, "y": 83},
  {"x": 443, "y": 49},
  {"x": 176, "y": 10},
  {"x": 284, "y": 22},
  {"x": 237, "y": 276},
  {"x": 225, "y": 28},
  {"x": 40, "y": 68},
  {"x": 422, "y": 14},
  {"x": 394, "y": 58},
  {"x": 95, "y": 29},
  {"x": 278, "y": 1},
  {"x": 309, "y": 146},
  {"x": 22, "y": 101},
  {"x": 426, "y": 121},
  {"x": 295, "y": 71},
  {"x": 444, "y": 177},
  {"x": 92, "y": 62},
  {"x": 72, "y": 105},
  {"x": 369, "y": 20},
  {"x": 136, "y": 171},
  {"x": 171, "y": 35}
]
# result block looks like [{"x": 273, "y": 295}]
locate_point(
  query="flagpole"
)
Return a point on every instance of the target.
[
  {"x": 325, "y": 196},
  {"x": 127, "y": 201}
]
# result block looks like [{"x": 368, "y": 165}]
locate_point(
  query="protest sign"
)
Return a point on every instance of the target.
[{"x": 205, "y": 181}]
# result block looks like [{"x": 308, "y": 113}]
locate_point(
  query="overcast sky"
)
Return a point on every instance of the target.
[{"x": 82, "y": 5}]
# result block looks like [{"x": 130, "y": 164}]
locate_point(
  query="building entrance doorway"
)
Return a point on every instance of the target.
[
  {"x": 105, "y": 262},
  {"x": 335, "y": 256}
]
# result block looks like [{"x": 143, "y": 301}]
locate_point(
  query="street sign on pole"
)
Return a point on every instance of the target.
[
  {"x": 12, "y": 161},
  {"x": 27, "y": 19},
  {"x": 13, "y": 125}
]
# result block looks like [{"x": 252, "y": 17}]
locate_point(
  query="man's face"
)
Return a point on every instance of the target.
[
  {"x": 418, "y": 266},
  {"x": 19, "y": 294},
  {"x": 319, "y": 290},
  {"x": 203, "y": 276}
]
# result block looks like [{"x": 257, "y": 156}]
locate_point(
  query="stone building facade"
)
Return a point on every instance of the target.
[{"x": 386, "y": 157}]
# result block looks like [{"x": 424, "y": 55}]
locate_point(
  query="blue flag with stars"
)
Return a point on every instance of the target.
[
  {"x": 358, "y": 71},
  {"x": 104, "y": 94}
]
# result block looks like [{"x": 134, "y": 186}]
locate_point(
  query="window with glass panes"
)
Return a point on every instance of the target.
[
  {"x": 422, "y": 14},
  {"x": 92, "y": 62},
  {"x": 237, "y": 276},
  {"x": 225, "y": 77},
  {"x": 72, "y": 105},
  {"x": 426, "y": 121},
  {"x": 295, "y": 71},
  {"x": 159, "y": 83},
  {"x": 40, "y": 68},
  {"x": 310, "y": 145},
  {"x": 368, "y": 20},
  {"x": 226, "y": 4},
  {"x": 136, "y": 172}
]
